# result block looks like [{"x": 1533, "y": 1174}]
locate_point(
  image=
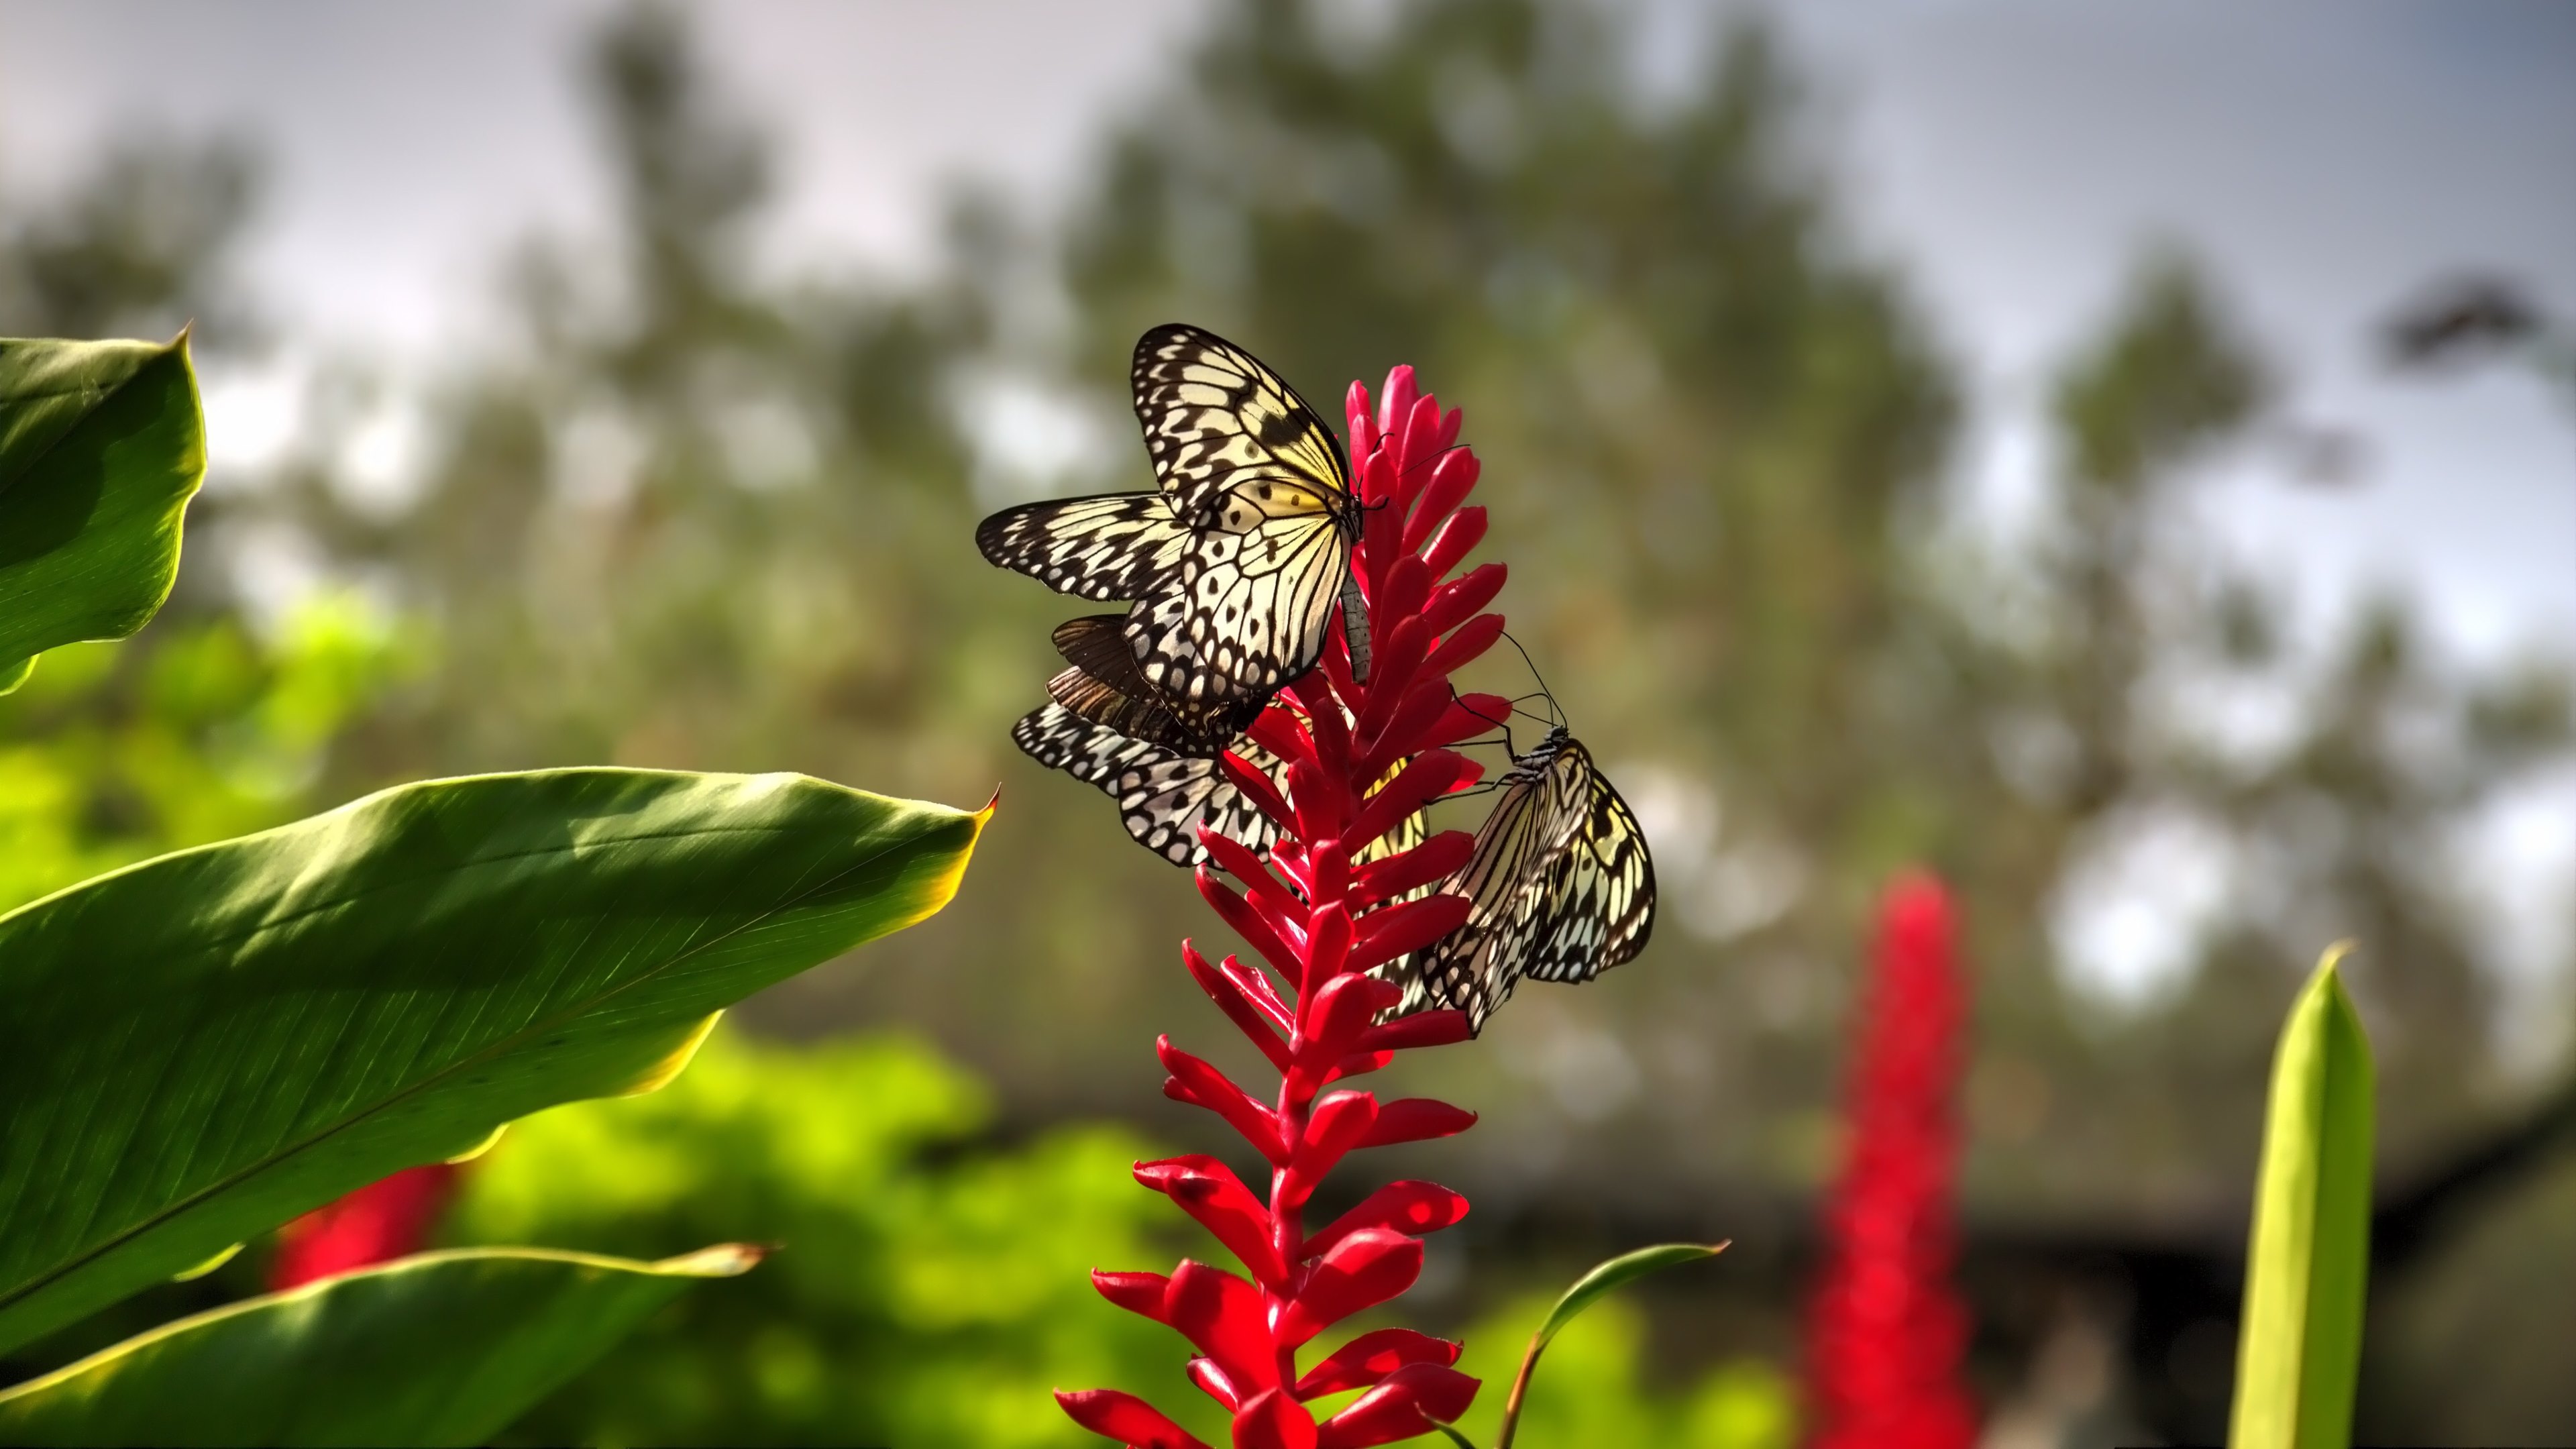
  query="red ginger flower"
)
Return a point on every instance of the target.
[
  {"x": 1885, "y": 1330},
  {"x": 385, "y": 1219},
  {"x": 1361, "y": 759}
]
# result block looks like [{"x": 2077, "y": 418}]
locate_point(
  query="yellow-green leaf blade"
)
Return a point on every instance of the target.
[
  {"x": 2308, "y": 1259},
  {"x": 202, "y": 1046},
  {"x": 101, "y": 446},
  {"x": 1617, "y": 1273},
  {"x": 441, "y": 1348}
]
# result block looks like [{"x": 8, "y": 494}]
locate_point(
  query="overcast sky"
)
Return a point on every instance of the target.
[{"x": 2012, "y": 157}]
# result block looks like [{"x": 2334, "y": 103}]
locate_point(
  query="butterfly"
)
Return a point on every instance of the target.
[
  {"x": 1165, "y": 784},
  {"x": 1102, "y": 683},
  {"x": 1559, "y": 888},
  {"x": 1234, "y": 565},
  {"x": 1163, "y": 795}
]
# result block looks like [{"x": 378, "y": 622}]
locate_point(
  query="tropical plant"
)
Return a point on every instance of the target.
[{"x": 203, "y": 1045}]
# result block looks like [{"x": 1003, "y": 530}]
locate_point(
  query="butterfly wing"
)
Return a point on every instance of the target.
[
  {"x": 1559, "y": 888},
  {"x": 1257, "y": 479},
  {"x": 1162, "y": 795},
  {"x": 1113, "y": 546},
  {"x": 1597, "y": 906},
  {"x": 1104, "y": 685}
]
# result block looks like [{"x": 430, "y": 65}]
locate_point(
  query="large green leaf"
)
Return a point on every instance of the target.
[
  {"x": 199, "y": 1047},
  {"x": 442, "y": 1348},
  {"x": 2308, "y": 1261},
  {"x": 100, "y": 448}
]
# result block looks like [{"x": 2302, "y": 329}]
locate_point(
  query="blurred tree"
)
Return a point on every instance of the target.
[{"x": 140, "y": 245}]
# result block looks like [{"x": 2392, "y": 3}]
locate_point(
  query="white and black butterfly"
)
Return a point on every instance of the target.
[
  {"x": 1163, "y": 795},
  {"x": 1235, "y": 564},
  {"x": 1102, "y": 683},
  {"x": 1560, "y": 888},
  {"x": 1166, "y": 781}
]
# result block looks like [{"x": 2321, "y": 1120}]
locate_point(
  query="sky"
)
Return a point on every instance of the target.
[{"x": 2013, "y": 158}]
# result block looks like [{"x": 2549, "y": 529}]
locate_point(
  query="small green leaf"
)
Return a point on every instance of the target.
[
  {"x": 441, "y": 1348},
  {"x": 101, "y": 446},
  {"x": 2308, "y": 1260},
  {"x": 1588, "y": 1290},
  {"x": 199, "y": 1047},
  {"x": 1617, "y": 1273}
]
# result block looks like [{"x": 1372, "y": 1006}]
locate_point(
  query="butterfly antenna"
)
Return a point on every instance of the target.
[{"x": 1555, "y": 711}]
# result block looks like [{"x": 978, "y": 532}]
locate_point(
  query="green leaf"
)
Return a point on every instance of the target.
[
  {"x": 1588, "y": 1290},
  {"x": 199, "y": 1047},
  {"x": 442, "y": 1348},
  {"x": 101, "y": 446},
  {"x": 2308, "y": 1261}
]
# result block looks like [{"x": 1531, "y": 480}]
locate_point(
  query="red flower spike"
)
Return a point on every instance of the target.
[
  {"x": 1372, "y": 1356},
  {"x": 1231, "y": 857},
  {"x": 1327, "y": 948},
  {"x": 1213, "y": 1382},
  {"x": 1395, "y": 400},
  {"x": 1406, "y": 1404},
  {"x": 1199, "y": 1084},
  {"x": 1248, "y": 923},
  {"x": 1432, "y": 860},
  {"x": 1272, "y": 1420},
  {"x": 1412, "y": 1208},
  {"x": 1425, "y": 705},
  {"x": 1318, "y": 804},
  {"x": 1464, "y": 530},
  {"x": 1257, "y": 987},
  {"x": 1239, "y": 1006},
  {"x": 1417, "y": 1119},
  {"x": 1357, "y": 758},
  {"x": 1341, "y": 1122},
  {"x": 1209, "y": 1191},
  {"x": 1346, "y": 1005},
  {"x": 1359, "y": 1064},
  {"x": 1464, "y": 597},
  {"x": 1450, "y": 482},
  {"x": 1466, "y": 645},
  {"x": 1125, "y": 1418},
  {"x": 1136, "y": 1292},
  {"x": 1399, "y": 662},
  {"x": 1885, "y": 1330},
  {"x": 1425, "y": 778},
  {"x": 1258, "y": 788},
  {"x": 1223, "y": 1316},
  {"x": 1406, "y": 927},
  {"x": 1360, "y": 1272},
  {"x": 1445, "y": 1027},
  {"x": 1470, "y": 716}
]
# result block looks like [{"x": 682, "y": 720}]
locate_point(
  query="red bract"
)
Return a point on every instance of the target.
[
  {"x": 1362, "y": 757},
  {"x": 383, "y": 1220},
  {"x": 1886, "y": 1332}
]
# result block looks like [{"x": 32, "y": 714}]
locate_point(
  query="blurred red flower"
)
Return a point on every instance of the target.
[
  {"x": 382, "y": 1220},
  {"x": 1885, "y": 1330}
]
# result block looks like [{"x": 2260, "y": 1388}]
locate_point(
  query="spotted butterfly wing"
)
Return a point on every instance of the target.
[
  {"x": 1113, "y": 546},
  {"x": 1102, "y": 683},
  {"x": 1560, "y": 888},
  {"x": 1256, "y": 479},
  {"x": 1162, "y": 795}
]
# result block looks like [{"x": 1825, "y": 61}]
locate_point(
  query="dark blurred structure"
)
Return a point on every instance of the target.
[{"x": 687, "y": 518}]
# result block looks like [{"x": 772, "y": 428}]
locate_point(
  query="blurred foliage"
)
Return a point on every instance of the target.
[
  {"x": 212, "y": 729},
  {"x": 927, "y": 1288},
  {"x": 693, "y": 513}
]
